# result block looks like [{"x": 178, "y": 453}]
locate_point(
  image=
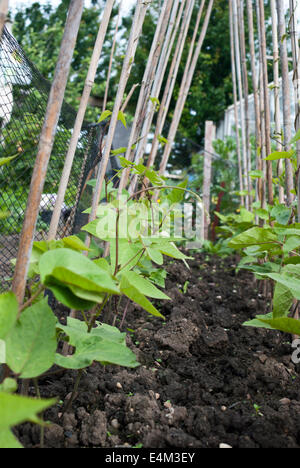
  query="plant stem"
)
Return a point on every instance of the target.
[{"x": 76, "y": 385}]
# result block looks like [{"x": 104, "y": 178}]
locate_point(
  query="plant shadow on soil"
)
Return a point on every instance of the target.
[{"x": 204, "y": 379}]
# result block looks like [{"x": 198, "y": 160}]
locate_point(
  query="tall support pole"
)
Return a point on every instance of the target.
[
  {"x": 258, "y": 142},
  {"x": 111, "y": 57},
  {"x": 265, "y": 83},
  {"x": 79, "y": 119},
  {"x": 287, "y": 120},
  {"x": 296, "y": 77},
  {"x": 240, "y": 6},
  {"x": 277, "y": 112},
  {"x": 235, "y": 103},
  {"x": 210, "y": 134},
  {"x": 241, "y": 96},
  {"x": 45, "y": 146},
  {"x": 263, "y": 154}
]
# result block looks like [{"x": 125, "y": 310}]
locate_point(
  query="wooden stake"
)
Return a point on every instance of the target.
[
  {"x": 240, "y": 8},
  {"x": 210, "y": 134},
  {"x": 266, "y": 99},
  {"x": 287, "y": 121},
  {"x": 278, "y": 132},
  {"x": 241, "y": 96},
  {"x": 111, "y": 57},
  {"x": 258, "y": 142},
  {"x": 45, "y": 146},
  {"x": 235, "y": 101}
]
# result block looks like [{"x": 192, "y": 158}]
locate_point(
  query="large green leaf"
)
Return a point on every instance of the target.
[
  {"x": 15, "y": 409},
  {"x": 130, "y": 289},
  {"x": 262, "y": 237},
  {"x": 8, "y": 313},
  {"x": 284, "y": 324},
  {"x": 104, "y": 343},
  {"x": 282, "y": 300},
  {"x": 145, "y": 286},
  {"x": 75, "y": 279},
  {"x": 31, "y": 344}
]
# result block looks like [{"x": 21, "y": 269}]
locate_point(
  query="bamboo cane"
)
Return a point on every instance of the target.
[
  {"x": 277, "y": 118},
  {"x": 266, "y": 99},
  {"x": 173, "y": 72},
  {"x": 296, "y": 67},
  {"x": 45, "y": 146},
  {"x": 3, "y": 14},
  {"x": 79, "y": 119},
  {"x": 111, "y": 57},
  {"x": 241, "y": 97},
  {"x": 135, "y": 33},
  {"x": 184, "y": 90},
  {"x": 255, "y": 95},
  {"x": 146, "y": 85},
  {"x": 263, "y": 154},
  {"x": 235, "y": 100},
  {"x": 240, "y": 9},
  {"x": 287, "y": 121}
]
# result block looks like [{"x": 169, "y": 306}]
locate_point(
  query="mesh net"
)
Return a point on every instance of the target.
[{"x": 23, "y": 101}]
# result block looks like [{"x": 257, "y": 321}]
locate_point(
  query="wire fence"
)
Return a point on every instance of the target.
[{"x": 23, "y": 101}]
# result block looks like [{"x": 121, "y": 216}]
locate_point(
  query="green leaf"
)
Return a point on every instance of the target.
[
  {"x": 31, "y": 344},
  {"x": 155, "y": 255},
  {"x": 9, "y": 385},
  {"x": 119, "y": 151},
  {"x": 105, "y": 114},
  {"x": 145, "y": 286},
  {"x": 258, "y": 323},
  {"x": 262, "y": 237},
  {"x": 8, "y": 313},
  {"x": 104, "y": 344},
  {"x": 282, "y": 301},
  {"x": 292, "y": 243},
  {"x": 176, "y": 196},
  {"x": 74, "y": 243},
  {"x": 4, "y": 161},
  {"x": 121, "y": 117},
  {"x": 281, "y": 213},
  {"x": 8, "y": 440},
  {"x": 14, "y": 410},
  {"x": 295, "y": 138},
  {"x": 284, "y": 324},
  {"x": 68, "y": 273},
  {"x": 132, "y": 292},
  {"x": 280, "y": 155},
  {"x": 256, "y": 174}
]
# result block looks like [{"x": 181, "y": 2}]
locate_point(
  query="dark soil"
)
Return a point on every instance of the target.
[{"x": 204, "y": 379}]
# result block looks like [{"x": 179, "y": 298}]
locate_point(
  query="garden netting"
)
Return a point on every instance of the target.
[{"x": 23, "y": 100}]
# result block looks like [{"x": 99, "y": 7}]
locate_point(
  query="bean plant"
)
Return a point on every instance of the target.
[
  {"x": 81, "y": 279},
  {"x": 269, "y": 241}
]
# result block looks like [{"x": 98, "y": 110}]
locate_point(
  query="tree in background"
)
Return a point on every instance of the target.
[{"x": 39, "y": 30}]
